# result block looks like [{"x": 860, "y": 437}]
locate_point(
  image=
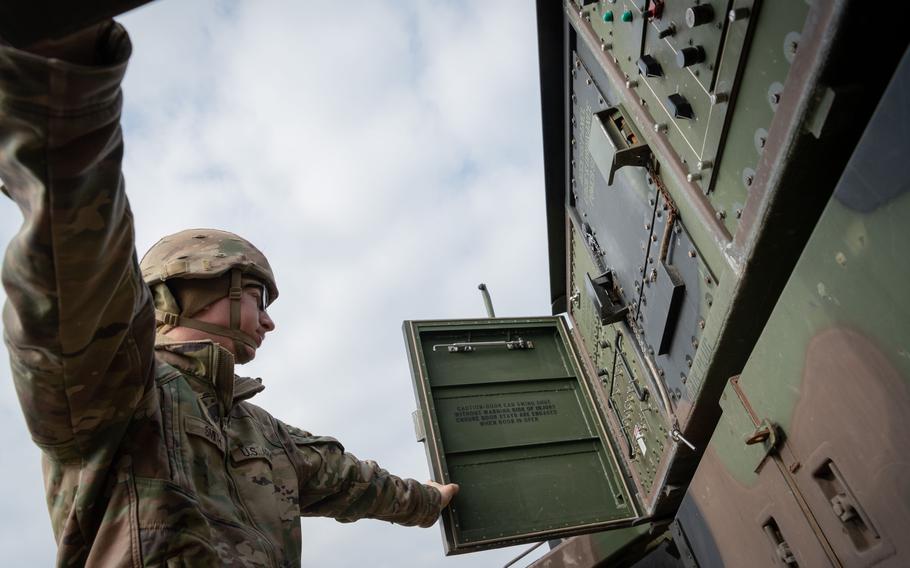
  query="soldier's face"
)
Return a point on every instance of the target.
[{"x": 254, "y": 320}]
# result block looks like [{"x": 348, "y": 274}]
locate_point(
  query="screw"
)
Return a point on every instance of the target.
[
  {"x": 647, "y": 226},
  {"x": 701, "y": 324},
  {"x": 660, "y": 127},
  {"x": 721, "y": 215},
  {"x": 739, "y": 213},
  {"x": 749, "y": 180},
  {"x": 587, "y": 81},
  {"x": 577, "y": 64},
  {"x": 691, "y": 254},
  {"x": 762, "y": 141},
  {"x": 707, "y": 279},
  {"x": 693, "y": 177},
  {"x": 774, "y": 98},
  {"x": 717, "y": 98},
  {"x": 631, "y": 83},
  {"x": 704, "y": 164}
]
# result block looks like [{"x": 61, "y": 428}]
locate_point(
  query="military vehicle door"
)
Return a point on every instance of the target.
[{"x": 507, "y": 409}]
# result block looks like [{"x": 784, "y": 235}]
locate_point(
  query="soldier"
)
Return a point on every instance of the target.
[{"x": 152, "y": 453}]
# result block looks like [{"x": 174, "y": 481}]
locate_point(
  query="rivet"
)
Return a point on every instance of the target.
[
  {"x": 691, "y": 254},
  {"x": 704, "y": 164},
  {"x": 693, "y": 177},
  {"x": 660, "y": 127},
  {"x": 631, "y": 83},
  {"x": 701, "y": 324}
]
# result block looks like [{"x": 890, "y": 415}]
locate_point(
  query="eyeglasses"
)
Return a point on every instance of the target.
[{"x": 263, "y": 297}]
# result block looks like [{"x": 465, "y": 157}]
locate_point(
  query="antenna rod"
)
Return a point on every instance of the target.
[{"x": 487, "y": 301}]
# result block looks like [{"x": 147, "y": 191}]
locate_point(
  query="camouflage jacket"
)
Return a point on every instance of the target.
[{"x": 152, "y": 455}]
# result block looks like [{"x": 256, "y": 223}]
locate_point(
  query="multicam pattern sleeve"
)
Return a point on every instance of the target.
[
  {"x": 78, "y": 320},
  {"x": 334, "y": 483}
]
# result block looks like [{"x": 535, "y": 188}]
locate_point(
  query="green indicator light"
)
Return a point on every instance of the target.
[
  {"x": 627, "y": 16},
  {"x": 608, "y": 16}
]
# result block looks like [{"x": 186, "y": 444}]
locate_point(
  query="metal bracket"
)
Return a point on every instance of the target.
[
  {"x": 768, "y": 435},
  {"x": 419, "y": 431},
  {"x": 469, "y": 346}
]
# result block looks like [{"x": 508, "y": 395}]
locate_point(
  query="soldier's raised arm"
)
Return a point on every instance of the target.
[{"x": 78, "y": 320}]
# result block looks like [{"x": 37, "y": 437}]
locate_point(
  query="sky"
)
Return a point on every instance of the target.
[{"x": 386, "y": 156}]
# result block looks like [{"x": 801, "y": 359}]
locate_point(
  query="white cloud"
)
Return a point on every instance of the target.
[{"x": 386, "y": 158}]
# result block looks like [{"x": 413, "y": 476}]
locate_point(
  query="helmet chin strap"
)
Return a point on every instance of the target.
[{"x": 239, "y": 337}]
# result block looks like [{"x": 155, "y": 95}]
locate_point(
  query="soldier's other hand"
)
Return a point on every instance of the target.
[{"x": 447, "y": 491}]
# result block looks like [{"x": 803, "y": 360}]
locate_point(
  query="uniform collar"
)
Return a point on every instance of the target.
[{"x": 213, "y": 364}]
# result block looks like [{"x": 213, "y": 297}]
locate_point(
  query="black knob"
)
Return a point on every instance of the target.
[
  {"x": 679, "y": 107},
  {"x": 690, "y": 56},
  {"x": 698, "y": 15},
  {"x": 649, "y": 67}
]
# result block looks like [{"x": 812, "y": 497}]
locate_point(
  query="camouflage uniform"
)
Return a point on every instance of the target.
[{"x": 152, "y": 456}]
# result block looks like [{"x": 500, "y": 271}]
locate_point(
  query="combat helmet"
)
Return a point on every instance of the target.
[{"x": 206, "y": 254}]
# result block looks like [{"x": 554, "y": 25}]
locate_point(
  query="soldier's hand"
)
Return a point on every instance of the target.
[{"x": 447, "y": 491}]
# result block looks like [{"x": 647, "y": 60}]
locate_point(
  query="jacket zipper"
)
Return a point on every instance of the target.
[{"x": 235, "y": 494}]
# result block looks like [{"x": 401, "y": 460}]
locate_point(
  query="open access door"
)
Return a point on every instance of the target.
[{"x": 506, "y": 411}]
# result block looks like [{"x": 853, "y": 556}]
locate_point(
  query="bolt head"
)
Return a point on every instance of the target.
[{"x": 717, "y": 98}]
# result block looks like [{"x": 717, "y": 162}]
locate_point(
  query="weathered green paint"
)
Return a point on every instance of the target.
[
  {"x": 849, "y": 256},
  {"x": 510, "y": 425}
]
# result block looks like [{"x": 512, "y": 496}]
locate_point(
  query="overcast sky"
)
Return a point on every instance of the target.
[{"x": 386, "y": 156}]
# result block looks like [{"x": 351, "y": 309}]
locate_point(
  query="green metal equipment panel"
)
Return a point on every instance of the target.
[{"x": 507, "y": 413}]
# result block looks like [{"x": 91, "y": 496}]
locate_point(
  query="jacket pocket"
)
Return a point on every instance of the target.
[{"x": 173, "y": 530}]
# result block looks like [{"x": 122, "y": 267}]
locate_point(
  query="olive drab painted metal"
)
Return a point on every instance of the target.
[
  {"x": 507, "y": 399},
  {"x": 730, "y": 283}
]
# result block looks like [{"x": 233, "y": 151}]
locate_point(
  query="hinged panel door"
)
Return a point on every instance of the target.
[{"x": 508, "y": 415}]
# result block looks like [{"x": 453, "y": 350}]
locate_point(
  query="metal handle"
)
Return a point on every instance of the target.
[
  {"x": 468, "y": 346},
  {"x": 678, "y": 437}
]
